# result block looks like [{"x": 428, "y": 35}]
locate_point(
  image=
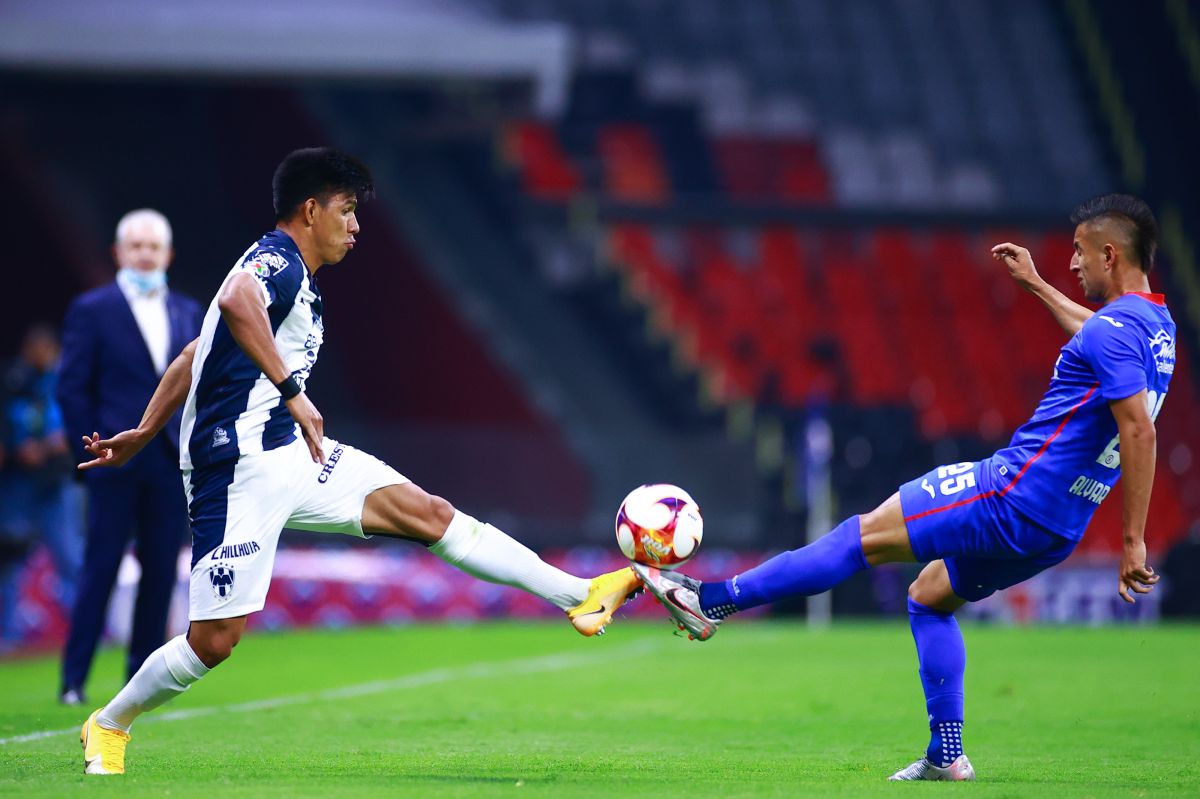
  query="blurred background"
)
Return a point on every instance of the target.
[{"x": 741, "y": 247}]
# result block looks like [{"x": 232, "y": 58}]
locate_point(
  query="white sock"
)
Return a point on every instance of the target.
[
  {"x": 487, "y": 553},
  {"x": 169, "y": 671}
]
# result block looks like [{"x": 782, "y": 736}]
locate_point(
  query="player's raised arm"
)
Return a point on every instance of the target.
[
  {"x": 1138, "y": 450},
  {"x": 244, "y": 311},
  {"x": 168, "y": 397},
  {"x": 1070, "y": 315}
]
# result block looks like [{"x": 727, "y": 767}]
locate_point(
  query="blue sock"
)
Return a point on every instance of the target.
[
  {"x": 945, "y": 743},
  {"x": 943, "y": 659},
  {"x": 801, "y": 572}
]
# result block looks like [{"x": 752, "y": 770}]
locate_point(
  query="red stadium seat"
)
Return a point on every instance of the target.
[
  {"x": 772, "y": 168},
  {"x": 546, "y": 171},
  {"x": 802, "y": 176},
  {"x": 633, "y": 165}
]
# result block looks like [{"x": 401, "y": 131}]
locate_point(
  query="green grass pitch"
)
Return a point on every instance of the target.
[{"x": 765, "y": 709}]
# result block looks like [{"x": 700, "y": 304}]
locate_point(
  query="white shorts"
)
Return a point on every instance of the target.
[{"x": 238, "y": 510}]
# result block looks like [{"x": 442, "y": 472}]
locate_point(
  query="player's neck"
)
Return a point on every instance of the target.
[
  {"x": 1128, "y": 282},
  {"x": 304, "y": 244}
]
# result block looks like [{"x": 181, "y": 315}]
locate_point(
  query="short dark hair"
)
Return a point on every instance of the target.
[
  {"x": 319, "y": 172},
  {"x": 1143, "y": 229}
]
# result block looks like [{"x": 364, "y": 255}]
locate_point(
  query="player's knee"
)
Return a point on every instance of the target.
[
  {"x": 924, "y": 590},
  {"x": 932, "y": 589},
  {"x": 440, "y": 512},
  {"x": 214, "y": 647}
]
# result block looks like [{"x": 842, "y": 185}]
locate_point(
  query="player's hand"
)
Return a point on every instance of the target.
[
  {"x": 1019, "y": 263},
  {"x": 115, "y": 451},
  {"x": 312, "y": 426},
  {"x": 1136, "y": 576}
]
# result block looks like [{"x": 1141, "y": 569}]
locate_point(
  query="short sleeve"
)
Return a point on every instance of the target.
[
  {"x": 1114, "y": 350},
  {"x": 278, "y": 277}
]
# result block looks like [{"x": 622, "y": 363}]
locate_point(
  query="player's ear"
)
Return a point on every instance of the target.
[
  {"x": 310, "y": 211},
  {"x": 1110, "y": 256}
]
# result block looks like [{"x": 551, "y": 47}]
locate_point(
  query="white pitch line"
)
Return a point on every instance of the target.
[{"x": 500, "y": 668}]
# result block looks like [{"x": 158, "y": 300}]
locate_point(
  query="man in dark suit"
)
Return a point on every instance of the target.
[{"x": 117, "y": 342}]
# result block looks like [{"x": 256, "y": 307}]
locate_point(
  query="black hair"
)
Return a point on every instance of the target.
[
  {"x": 1133, "y": 211},
  {"x": 319, "y": 172}
]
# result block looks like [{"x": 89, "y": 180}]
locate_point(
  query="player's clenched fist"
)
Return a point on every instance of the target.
[{"x": 1019, "y": 263}]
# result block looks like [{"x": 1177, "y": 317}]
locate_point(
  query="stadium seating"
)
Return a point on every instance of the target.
[
  {"x": 880, "y": 103},
  {"x": 838, "y": 108},
  {"x": 924, "y": 319}
]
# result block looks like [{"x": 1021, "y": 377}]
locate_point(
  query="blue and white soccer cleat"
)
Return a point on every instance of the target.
[
  {"x": 680, "y": 595},
  {"x": 960, "y": 770}
]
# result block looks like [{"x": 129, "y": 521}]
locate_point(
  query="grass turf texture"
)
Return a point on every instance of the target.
[{"x": 534, "y": 710}]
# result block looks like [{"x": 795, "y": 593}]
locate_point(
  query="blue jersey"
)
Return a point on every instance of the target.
[
  {"x": 233, "y": 409},
  {"x": 1065, "y": 460}
]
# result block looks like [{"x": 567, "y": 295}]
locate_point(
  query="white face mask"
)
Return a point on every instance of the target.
[{"x": 142, "y": 282}]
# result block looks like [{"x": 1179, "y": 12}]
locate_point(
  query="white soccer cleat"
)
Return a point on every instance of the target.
[
  {"x": 680, "y": 595},
  {"x": 958, "y": 771}
]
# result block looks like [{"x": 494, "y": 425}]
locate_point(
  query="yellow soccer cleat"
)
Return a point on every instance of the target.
[
  {"x": 606, "y": 593},
  {"x": 103, "y": 749}
]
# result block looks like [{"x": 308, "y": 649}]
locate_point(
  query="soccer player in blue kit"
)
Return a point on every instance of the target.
[
  {"x": 992, "y": 524},
  {"x": 255, "y": 457}
]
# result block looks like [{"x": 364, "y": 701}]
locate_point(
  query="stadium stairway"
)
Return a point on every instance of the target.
[{"x": 444, "y": 199}]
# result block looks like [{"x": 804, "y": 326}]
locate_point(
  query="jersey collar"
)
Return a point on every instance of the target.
[{"x": 1157, "y": 299}]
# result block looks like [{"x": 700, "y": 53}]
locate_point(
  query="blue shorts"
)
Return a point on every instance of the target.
[{"x": 986, "y": 543}]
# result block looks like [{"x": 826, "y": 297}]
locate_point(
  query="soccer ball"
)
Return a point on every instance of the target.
[{"x": 659, "y": 525}]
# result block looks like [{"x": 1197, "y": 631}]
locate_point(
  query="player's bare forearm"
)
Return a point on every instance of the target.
[
  {"x": 171, "y": 392},
  {"x": 167, "y": 398},
  {"x": 1138, "y": 450},
  {"x": 1139, "y": 445},
  {"x": 242, "y": 308},
  {"x": 1069, "y": 314}
]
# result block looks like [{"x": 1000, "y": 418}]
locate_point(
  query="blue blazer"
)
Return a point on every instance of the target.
[{"x": 107, "y": 375}]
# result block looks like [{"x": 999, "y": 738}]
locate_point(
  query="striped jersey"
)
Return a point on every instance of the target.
[
  {"x": 1063, "y": 462},
  {"x": 233, "y": 409}
]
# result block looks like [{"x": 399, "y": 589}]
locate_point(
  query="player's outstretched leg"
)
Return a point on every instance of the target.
[
  {"x": 169, "y": 671},
  {"x": 943, "y": 662},
  {"x": 486, "y": 552},
  {"x": 858, "y": 543},
  {"x": 700, "y": 607}
]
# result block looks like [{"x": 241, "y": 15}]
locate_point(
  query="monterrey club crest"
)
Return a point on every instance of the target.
[{"x": 221, "y": 579}]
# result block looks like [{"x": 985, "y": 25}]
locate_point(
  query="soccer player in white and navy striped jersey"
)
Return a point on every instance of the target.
[{"x": 255, "y": 457}]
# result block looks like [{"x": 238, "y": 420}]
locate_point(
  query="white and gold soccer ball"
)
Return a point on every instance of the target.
[{"x": 659, "y": 525}]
